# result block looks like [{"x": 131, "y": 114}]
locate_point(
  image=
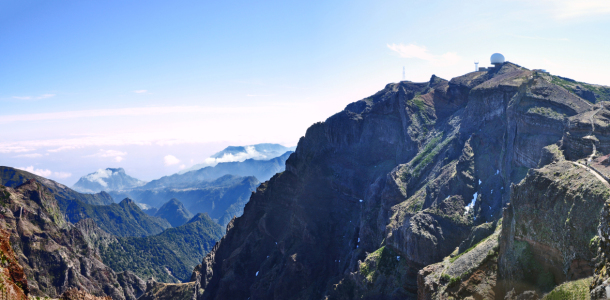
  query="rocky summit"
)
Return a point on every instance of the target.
[
  {"x": 488, "y": 186},
  {"x": 108, "y": 179}
]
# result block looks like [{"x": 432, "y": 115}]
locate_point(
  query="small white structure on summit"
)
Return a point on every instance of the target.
[{"x": 497, "y": 59}]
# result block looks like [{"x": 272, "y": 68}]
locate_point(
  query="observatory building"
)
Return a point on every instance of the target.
[{"x": 497, "y": 60}]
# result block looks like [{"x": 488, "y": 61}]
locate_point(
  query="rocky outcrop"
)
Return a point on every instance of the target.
[
  {"x": 600, "y": 288},
  {"x": 13, "y": 282},
  {"x": 54, "y": 254},
  {"x": 11, "y": 177},
  {"x": 168, "y": 291},
  {"x": 74, "y": 294},
  {"x": 549, "y": 226},
  {"x": 466, "y": 273},
  {"x": 132, "y": 285}
]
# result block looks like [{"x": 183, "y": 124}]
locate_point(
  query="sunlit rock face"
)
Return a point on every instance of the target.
[{"x": 410, "y": 173}]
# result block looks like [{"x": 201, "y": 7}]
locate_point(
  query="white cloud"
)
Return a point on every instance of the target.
[
  {"x": 112, "y": 128},
  {"x": 170, "y": 160},
  {"x": 182, "y": 166},
  {"x": 241, "y": 156},
  {"x": 116, "y": 112},
  {"x": 44, "y": 96},
  {"x": 46, "y": 172},
  {"x": 117, "y": 155},
  {"x": 14, "y": 148},
  {"x": 140, "y": 91},
  {"x": 62, "y": 174},
  {"x": 541, "y": 38},
  {"x": 62, "y": 148},
  {"x": 254, "y": 95},
  {"x": 420, "y": 52},
  {"x": 568, "y": 9},
  {"x": 31, "y": 155}
]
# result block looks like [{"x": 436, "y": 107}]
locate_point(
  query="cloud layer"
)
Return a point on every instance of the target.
[
  {"x": 170, "y": 160},
  {"x": 46, "y": 172},
  {"x": 44, "y": 96}
]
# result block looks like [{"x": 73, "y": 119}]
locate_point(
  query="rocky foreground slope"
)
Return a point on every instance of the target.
[{"x": 402, "y": 196}]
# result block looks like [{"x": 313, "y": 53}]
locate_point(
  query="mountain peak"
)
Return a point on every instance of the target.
[
  {"x": 108, "y": 179},
  {"x": 174, "y": 212}
]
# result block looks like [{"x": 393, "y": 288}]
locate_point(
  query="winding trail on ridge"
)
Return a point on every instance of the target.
[
  {"x": 590, "y": 135},
  {"x": 590, "y": 158}
]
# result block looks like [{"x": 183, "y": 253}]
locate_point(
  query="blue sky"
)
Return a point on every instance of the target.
[{"x": 93, "y": 84}]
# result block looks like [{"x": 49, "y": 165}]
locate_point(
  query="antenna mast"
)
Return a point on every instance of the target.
[
  {"x": 476, "y": 65},
  {"x": 403, "y": 73}
]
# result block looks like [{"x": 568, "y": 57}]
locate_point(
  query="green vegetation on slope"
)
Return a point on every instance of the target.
[
  {"x": 123, "y": 219},
  {"x": 169, "y": 256},
  {"x": 578, "y": 289}
]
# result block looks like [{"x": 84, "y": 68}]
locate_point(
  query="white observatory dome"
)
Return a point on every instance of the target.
[{"x": 497, "y": 58}]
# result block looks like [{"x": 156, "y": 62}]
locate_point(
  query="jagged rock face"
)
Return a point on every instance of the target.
[
  {"x": 174, "y": 212},
  {"x": 549, "y": 226},
  {"x": 470, "y": 272},
  {"x": 133, "y": 286},
  {"x": 55, "y": 255},
  {"x": 585, "y": 130},
  {"x": 600, "y": 288},
  {"x": 12, "y": 278},
  {"x": 108, "y": 179},
  {"x": 409, "y": 170}
]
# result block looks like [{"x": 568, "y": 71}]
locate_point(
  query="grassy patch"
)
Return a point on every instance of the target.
[
  {"x": 547, "y": 112},
  {"x": 578, "y": 289}
]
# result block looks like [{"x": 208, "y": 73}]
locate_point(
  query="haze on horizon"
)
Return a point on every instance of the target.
[{"x": 155, "y": 87}]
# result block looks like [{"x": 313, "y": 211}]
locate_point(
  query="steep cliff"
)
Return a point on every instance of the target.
[
  {"x": 410, "y": 176},
  {"x": 54, "y": 254},
  {"x": 13, "y": 282}
]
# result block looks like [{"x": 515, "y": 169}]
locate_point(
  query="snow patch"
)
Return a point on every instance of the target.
[
  {"x": 398, "y": 258},
  {"x": 471, "y": 205},
  {"x": 256, "y": 273},
  {"x": 497, "y": 172},
  {"x": 479, "y": 181}
]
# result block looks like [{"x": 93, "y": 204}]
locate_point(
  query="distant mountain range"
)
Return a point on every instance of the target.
[
  {"x": 106, "y": 180},
  {"x": 263, "y": 170},
  {"x": 222, "y": 198},
  {"x": 241, "y": 153},
  {"x": 221, "y": 191}
]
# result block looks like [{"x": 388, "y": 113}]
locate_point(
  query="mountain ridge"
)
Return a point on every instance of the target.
[{"x": 405, "y": 176}]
